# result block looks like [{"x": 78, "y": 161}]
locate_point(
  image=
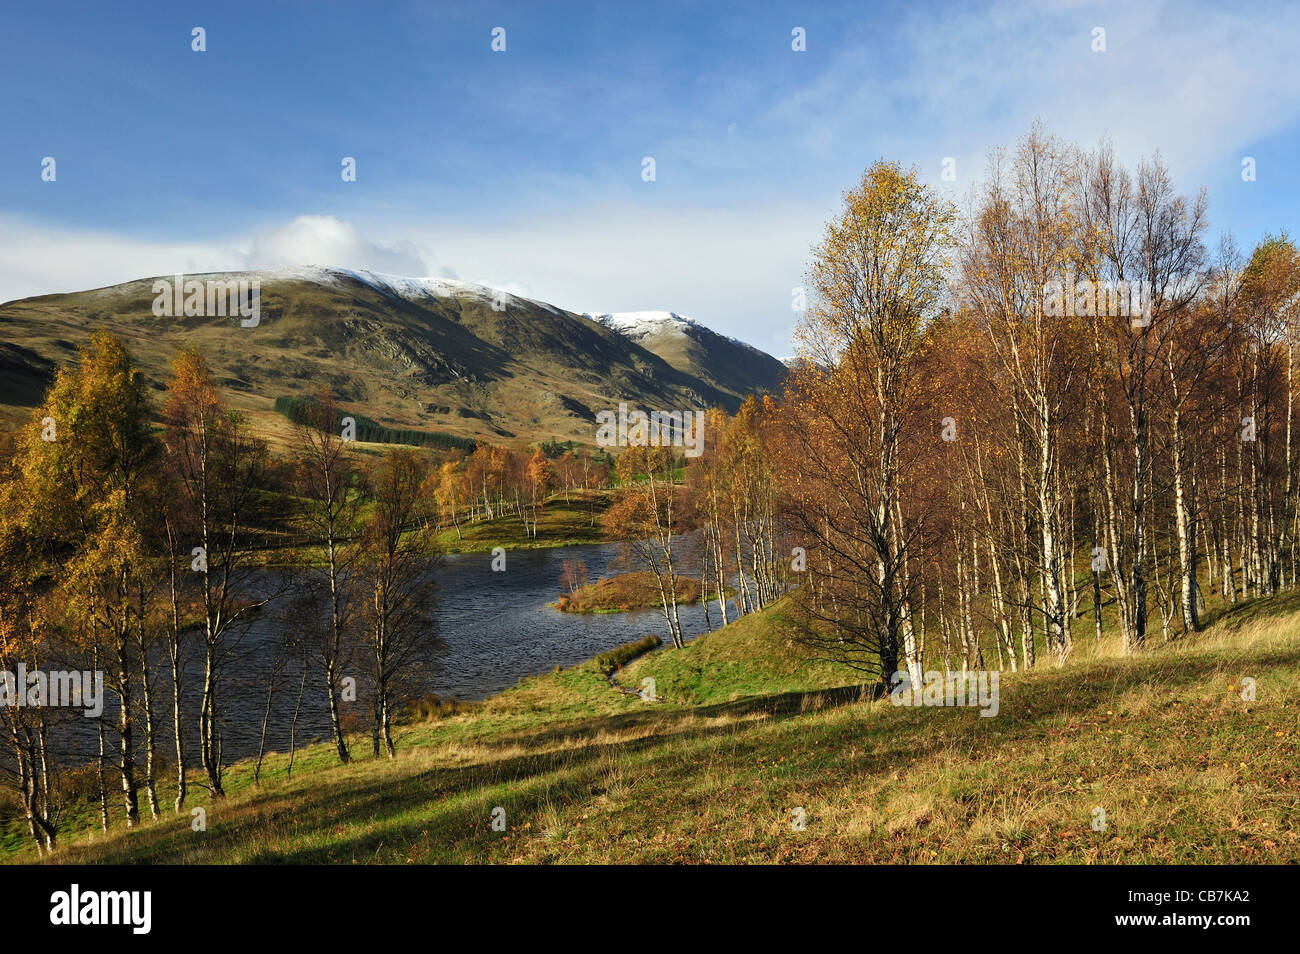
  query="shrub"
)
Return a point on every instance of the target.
[{"x": 617, "y": 658}]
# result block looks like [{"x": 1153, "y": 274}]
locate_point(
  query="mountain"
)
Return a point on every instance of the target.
[
  {"x": 726, "y": 363},
  {"x": 425, "y": 353}
]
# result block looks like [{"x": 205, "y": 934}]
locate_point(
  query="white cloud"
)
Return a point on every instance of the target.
[
  {"x": 733, "y": 270},
  {"x": 1199, "y": 83},
  {"x": 40, "y": 260},
  {"x": 1202, "y": 85},
  {"x": 325, "y": 240}
]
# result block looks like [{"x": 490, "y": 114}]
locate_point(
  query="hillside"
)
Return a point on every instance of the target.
[
  {"x": 1185, "y": 769},
  {"x": 690, "y": 347},
  {"x": 427, "y": 353}
]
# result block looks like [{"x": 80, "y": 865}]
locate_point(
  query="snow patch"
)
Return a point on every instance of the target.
[
  {"x": 634, "y": 325},
  {"x": 417, "y": 289},
  {"x": 396, "y": 286},
  {"x": 637, "y": 324}
]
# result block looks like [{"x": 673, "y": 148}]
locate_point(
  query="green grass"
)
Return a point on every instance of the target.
[
  {"x": 750, "y": 729},
  {"x": 613, "y": 660},
  {"x": 560, "y": 523},
  {"x": 622, "y": 592},
  {"x": 755, "y": 655}
]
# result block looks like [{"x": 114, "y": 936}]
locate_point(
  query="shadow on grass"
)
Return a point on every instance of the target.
[
  {"x": 442, "y": 813},
  {"x": 1256, "y": 608}
]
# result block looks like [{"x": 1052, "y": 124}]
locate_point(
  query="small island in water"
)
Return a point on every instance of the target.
[{"x": 638, "y": 590}]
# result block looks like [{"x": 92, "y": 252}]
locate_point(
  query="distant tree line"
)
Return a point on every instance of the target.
[
  {"x": 303, "y": 410},
  {"x": 492, "y": 482}
]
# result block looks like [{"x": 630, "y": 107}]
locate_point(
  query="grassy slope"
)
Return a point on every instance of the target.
[
  {"x": 560, "y": 523},
  {"x": 621, "y": 592},
  {"x": 1186, "y": 770},
  {"x": 754, "y": 656},
  {"x": 452, "y": 363}
]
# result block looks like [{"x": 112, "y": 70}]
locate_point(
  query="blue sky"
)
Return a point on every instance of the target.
[{"x": 522, "y": 169}]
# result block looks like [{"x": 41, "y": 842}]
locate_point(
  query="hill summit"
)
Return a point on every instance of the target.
[{"x": 430, "y": 353}]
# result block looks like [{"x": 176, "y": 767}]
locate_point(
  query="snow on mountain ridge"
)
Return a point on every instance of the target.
[
  {"x": 641, "y": 323},
  {"x": 638, "y": 324},
  {"x": 635, "y": 325},
  {"x": 399, "y": 286},
  {"x": 417, "y": 288}
]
